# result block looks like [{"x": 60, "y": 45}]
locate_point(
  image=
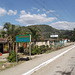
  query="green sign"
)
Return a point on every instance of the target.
[{"x": 23, "y": 38}]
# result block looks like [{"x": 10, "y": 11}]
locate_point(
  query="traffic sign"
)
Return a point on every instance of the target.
[{"x": 23, "y": 38}]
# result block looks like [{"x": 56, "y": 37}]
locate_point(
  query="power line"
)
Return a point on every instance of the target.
[
  {"x": 44, "y": 7},
  {"x": 66, "y": 11}
]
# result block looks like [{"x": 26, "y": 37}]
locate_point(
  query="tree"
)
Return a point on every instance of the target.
[
  {"x": 2, "y": 34},
  {"x": 35, "y": 34},
  {"x": 73, "y": 35},
  {"x": 11, "y": 31}
]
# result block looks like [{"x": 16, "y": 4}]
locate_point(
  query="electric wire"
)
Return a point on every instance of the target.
[{"x": 47, "y": 9}]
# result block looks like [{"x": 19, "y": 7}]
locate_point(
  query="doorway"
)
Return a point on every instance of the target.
[{"x": 1, "y": 48}]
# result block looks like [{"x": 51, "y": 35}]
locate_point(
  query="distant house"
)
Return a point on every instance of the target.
[
  {"x": 4, "y": 45},
  {"x": 46, "y": 41}
]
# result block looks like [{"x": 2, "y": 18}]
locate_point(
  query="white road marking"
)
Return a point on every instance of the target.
[{"x": 46, "y": 62}]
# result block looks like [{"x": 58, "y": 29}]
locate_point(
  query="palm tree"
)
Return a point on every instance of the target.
[
  {"x": 11, "y": 31},
  {"x": 2, "y": 34},
  {"x": 35, "y": 34}
]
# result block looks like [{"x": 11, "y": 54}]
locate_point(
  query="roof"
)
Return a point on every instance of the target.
[
  {"x": 3, "y": 40},
  {"x": 50, "y": 39}
]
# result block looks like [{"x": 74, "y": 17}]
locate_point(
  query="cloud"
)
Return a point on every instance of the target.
[
  {"x": 28, "y": 18},
  {"x": 43, "y": 9},
  {"x": 11, "y": 12},
  {"x": 63, "y": 25},
  {"x": 2, "y": 11},
  {"x": 1, "y": 27},
  {"x": 50, "y": 11},
  {"x": 33, "y": 8},
  {"x": 38, "y": 10}
]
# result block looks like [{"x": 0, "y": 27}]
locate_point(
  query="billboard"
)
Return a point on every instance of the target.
[{"x": 53, "y": 35}]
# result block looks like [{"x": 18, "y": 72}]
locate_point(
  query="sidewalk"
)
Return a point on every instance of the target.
[{"x": 3, "y": 57}]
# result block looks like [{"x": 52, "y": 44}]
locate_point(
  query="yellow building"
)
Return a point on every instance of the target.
[{"x": 4, "y": 45}]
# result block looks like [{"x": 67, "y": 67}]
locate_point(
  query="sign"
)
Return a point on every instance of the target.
[
  {"x": 23, "y": 38},
  {"x": 53, "y": 35}
]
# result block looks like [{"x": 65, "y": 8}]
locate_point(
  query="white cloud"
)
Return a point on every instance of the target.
[
  {"x": 38, "y": 10},
  {"x": 28, "y": 18},
  {"x": 1, "y": 27},
  {"x": 11, "y": 12},
  {"x": 43, "y": 9},
  {"x": 33, "y": 8},
  {"x": 2, "y": 11},
  {"x": 50, "y": 11},
  {"x": 63, "y": 25}
]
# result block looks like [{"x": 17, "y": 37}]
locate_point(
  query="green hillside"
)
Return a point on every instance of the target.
[{"x": 45, "y": 30}]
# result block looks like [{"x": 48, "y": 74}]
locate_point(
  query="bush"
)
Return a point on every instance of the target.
[
  {"x": 21, "y": 50},
  {"x": 26, "y": 51},
  {"x": 35, "y": 51},
  {"x": 47, "y": 46},
  {"x": 12, "y": 57},
  {"x": 43, "y": 46},
  {"x": 42, "y": 49}
]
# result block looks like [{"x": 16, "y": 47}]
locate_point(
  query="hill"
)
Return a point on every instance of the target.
[{"x": 45, "y": 30}]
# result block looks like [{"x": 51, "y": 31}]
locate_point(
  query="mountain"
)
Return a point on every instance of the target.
[{"x": 45, "y": 30}]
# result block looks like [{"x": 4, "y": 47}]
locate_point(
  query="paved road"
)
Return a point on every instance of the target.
[{"x": 64, "y": 65}]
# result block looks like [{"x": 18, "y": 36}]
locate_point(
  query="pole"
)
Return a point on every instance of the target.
[
  {"x": 30, "y": 47},
  {"x": 16, "y": 54}
]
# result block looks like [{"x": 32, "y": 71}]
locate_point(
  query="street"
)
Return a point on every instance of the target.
[
  {"x": 65, "y": 65},
  {"x": 62, "y": 65}
]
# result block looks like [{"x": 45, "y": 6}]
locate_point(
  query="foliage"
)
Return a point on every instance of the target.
[
  {"x": 21, "y": 50},
  {"x": 73, "y": 35},
  {"x": 35, "y": 34},
  {"x": 35, "y": 51},
  {"x": 37, "y": 31},
  {"x": 12, "y": 57},
  {"x": 47, "y": 46},
  {"x": 43, "y": 49}
]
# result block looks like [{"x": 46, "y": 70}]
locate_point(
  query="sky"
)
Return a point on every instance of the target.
[{"x": 59, "y": 14}]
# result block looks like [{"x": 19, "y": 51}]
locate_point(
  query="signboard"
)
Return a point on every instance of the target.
[
  {"x": 23, "y": 38},
  {"x": 53, "y": 35}
]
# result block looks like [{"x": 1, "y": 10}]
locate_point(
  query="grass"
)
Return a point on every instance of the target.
[
  {"x": 11, "y": 65},
  {"x": 1, "y": 63},
  {"x": 55, "y": 49}
]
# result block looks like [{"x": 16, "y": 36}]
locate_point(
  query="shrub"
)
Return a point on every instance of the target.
[
  {"x": 38, "y": 50},
  {"x": 12, "y": 57},
  {"x": 21, "y": 50},
  {"x": 43, "y": 46},
  {"x": 26, "y": 51},
  {"x": 47, "y": 46},
  {"x": 42, "y": 49},
  {"x": 33, "y": 51}
]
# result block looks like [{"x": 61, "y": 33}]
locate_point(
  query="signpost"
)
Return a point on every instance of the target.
[{"x": 24, "y": 38}]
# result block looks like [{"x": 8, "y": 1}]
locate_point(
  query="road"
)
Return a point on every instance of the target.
[{"x": 63, "y": 65}]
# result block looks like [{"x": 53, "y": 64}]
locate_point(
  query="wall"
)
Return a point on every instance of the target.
[{"x": 42, "y": 43}]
